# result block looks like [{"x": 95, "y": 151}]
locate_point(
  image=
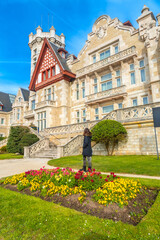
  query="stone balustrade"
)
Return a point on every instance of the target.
[
  {"x": 123, "y": 55},
  {"x": 137, "y": 113},
  {"x": 111, "y": 93},
  {"x": 41, "y": 144},
  {"x": 44, "y": 104},
  {"x": 73, "y": 146},
  {"x": 76, "y": 128},
  {"x": 29, "y": 114}
]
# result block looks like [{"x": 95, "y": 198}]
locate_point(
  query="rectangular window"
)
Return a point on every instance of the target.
[
  {"x": 84, "y": 113},
  {"x": 2, "y": 121},
  {"x": 134, "y": 102},
  {"x": 42, "y": 121},
  {"x": 95, "y": 81},
  {"x": 132, "y": 67},
  {"x": 49, "y": 73},
  {"x": 77, "y": 92},
  {"x": 106, "y": 86},
  {"x": 96, "y": 111},
  {"x": 117, "y": 73},
  {"x": 106, "y": 77},
  {"x": 143, "y": 78},
  {"x": 33, "y": 104},
  {"x": 120, "y": 105},
  {"x": 53, "y": 94},
  {"x": 107, "y": 109},
  {"x": 145, "y": 100},
  {"x": 118, "y": 82},
  {"x": 132, "y": 75},
  {"x": 96, "y": 117},
  {"x": 95, "y": 89},
  {"x": 95, "y": 86},
  {"x": 94, "y": 58},
  {"x": 116, "y": 49},
  {"x": 77, "y": 117},
  {"x": 83, "y": 89},
  {"x": 77, "y": 114},
  {"x": 53, "y": 71},
  {"x": 49, "y": 94},
  {"x": 44, "y": 76},
  {"x": 142, "y": 70},
  {"x": 105, "y": 54},
  {"x": 141, "y": 63}
]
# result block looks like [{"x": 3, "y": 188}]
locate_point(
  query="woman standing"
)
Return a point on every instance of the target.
[{"x": 87, "y": 149}]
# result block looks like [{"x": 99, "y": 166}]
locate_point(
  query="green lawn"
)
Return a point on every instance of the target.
[
  {"x": 146, "y": 165},
  {"x": 27, "y": 217},
  {"x": 9, "y": 156}
]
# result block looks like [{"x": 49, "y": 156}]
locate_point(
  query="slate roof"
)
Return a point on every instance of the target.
[
  {"x": 5, "y": 100},
  {"x": 25, "y": 94},
  {"x": 60, "y": 58}
]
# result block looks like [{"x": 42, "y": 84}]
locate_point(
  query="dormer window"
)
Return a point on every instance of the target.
[
  {"x": 19, "y": 99},
  {"x": 1, "y": 106},
  {"x": 62, "y": 52}
]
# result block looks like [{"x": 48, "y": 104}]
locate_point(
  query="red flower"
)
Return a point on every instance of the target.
[
  {"x": 92, "y": 180},
  {"x": 107, "y": 176},
  {"x": 94, "y": 170},
  {"x": 114, "y": 175},
  {"x": 106, "y": 180},
  {"x": 100, "y": 176},
  {"x": 82, "y": 179}
]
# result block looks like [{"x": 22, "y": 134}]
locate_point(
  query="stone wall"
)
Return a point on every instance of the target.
[{"x": 140, "y": 140}]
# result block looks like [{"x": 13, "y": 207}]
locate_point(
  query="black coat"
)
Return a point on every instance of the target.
[{"x": 87, "y": 149}]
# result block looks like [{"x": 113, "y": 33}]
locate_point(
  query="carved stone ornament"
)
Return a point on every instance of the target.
[{"x": 101, "y": 32}]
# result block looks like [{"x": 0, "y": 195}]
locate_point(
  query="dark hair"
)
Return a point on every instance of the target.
[{"x": 87, "y": 132}]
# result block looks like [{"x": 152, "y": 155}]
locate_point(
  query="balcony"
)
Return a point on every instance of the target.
[
  {"x": 123, "y": 55},
  {"x": 110, "y": 94},
  {"x": 44, "y": 104},
  {"x": 29, "y": 114}
]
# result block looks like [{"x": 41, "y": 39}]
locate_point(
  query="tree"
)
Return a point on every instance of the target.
[
  {"x": 18, "y": 138},
  {"x": 15, "y": 135},
  {"x": 109, "y": 132},
  {"x": 27, "y": 140}
]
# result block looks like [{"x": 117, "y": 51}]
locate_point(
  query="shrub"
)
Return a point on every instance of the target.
[
  {"x": 15, "y": 136},
  {"x": 2, "y": 138},
  {"x": 27, "y": 140},
  {"x": 3, "y": 149},
  {"x": 109, "y": 132}
]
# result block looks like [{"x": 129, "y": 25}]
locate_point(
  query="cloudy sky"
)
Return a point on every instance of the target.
[{"x": 74, "y": 18}]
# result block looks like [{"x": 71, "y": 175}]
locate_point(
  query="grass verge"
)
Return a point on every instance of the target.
[
  {"x": 27, "y": 217},
  {"x": 10, "y": 156},
  {"x": 134, "y": 164}
]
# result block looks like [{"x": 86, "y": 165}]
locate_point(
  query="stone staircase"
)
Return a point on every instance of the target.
[{"x": 67, "y": 140}]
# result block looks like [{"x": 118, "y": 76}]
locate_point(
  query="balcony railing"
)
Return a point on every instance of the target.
[
  {"x": 127, "y": 53},
  {"x": 29, "y": 114},
  {"x": 102, "y": 96},
  {"x": 46, "y": 103}
]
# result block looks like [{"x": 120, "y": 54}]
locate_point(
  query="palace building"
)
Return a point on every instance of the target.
[{"x": 116, "y": 75}]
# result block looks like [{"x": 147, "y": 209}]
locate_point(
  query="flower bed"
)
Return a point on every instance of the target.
[
  {"x": 67, "y": 182},
  {"x": 108, "y": 197}
]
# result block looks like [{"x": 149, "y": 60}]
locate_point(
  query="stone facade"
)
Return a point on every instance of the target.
[{"x": 117, "y": 72}]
